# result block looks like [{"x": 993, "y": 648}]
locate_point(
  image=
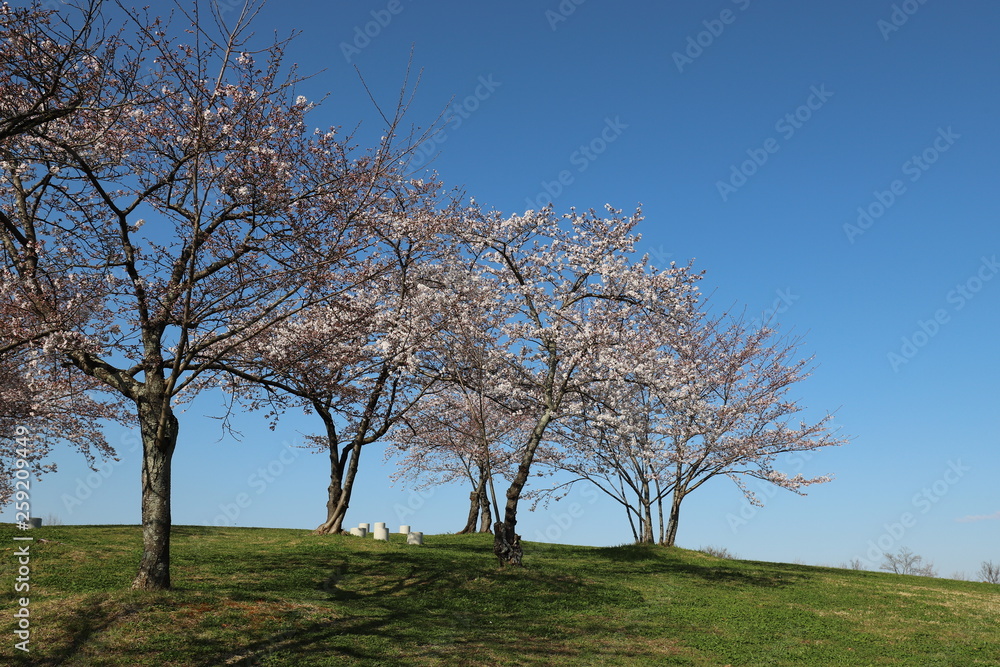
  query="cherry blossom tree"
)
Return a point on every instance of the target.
[
  {"x": 355, "y": 361},
  {"x": 47, "y": 64},
  {"x": 715, "y": 404},
  {"x": 452, "y": 437},
  {"x": 249, "y": 212},
  {"x": 47, "y": 72},
  {"x": 569, "y": 301},
  {"x": 460, "y": 432},
  {"x": 46, "y": 404},
  {"x": 732, "y": 414},
  {"x": 610, "y": 440}
]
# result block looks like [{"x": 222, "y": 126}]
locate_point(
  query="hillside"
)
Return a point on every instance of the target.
[{"x": 287, "y": 597}]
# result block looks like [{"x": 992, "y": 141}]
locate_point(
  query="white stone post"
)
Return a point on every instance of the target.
[
  {"x": 381, "y": 532},
  {"x": 415, "y": 538},
  {"x": 404, "y": 530}
]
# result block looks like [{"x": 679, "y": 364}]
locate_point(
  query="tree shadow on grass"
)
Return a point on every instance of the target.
[
  {"x": 649, "y": 559},
  {"x": 384, "y": 611},
  {"x": 376, "y": 605},
  {"x": 92, "y": 616}
]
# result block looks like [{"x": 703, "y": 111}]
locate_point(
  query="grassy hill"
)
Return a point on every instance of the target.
[{"x": 287, "y": 597}]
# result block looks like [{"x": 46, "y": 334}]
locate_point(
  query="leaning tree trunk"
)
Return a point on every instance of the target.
[
  {"x": 675, "y": 513},
  {"x": 341, "y": 485},
  {"x": 506, "y": 542},
  {"x": 341, "y": 479},
  {"x": 159, "y": 428},
  {"x": 476, "y": 499},
  {"x": 486, "y": 519}
]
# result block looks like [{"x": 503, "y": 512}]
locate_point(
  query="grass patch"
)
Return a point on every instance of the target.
[{"x": 286, "y": 597}]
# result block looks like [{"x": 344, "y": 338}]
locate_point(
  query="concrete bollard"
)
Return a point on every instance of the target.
[
  {"x": 404, "y": 530},
  {"x": 380, "y": 524},
  {"x": 358, "y": 532},
  {"x": 35, "y": 522},
  {"x": 366, "y": 527},
  {"x": 415, "y": 538},
  {"x": 381, "y": 533}
]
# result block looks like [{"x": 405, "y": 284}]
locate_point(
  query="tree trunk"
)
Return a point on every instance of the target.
[
  {"x": 341, "y": 486},
  {"x": 506, "y": 542},
  {"x": 628, "y": 513},
  {"x": 647, "y": 515},
  {"x": 675, "y": 513},
  {"x": 343, "y": 471},
  {"x": 159, "y": 428},
  {"x": 470, "y": 521},
  {"x": 477, "y": 500},
  {"x": 647, "y": 523},
  {"x": 659, "y": 509},
  {"x": 486, "y": 518}
]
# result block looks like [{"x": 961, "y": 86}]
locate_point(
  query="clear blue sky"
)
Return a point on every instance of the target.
[{"x": 661, "y": 104}]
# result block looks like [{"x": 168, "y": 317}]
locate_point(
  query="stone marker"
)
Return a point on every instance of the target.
[
  {"x": 415, "y": 538},
  {"x": 380, "y": 524},
  {"x": 381, "y": 532},
  {"x": 404, "y": 529},
  {"x": 365, "y": 526},
  {"x": 35, "y": 522},
  {"x": 358, "y": 532}
]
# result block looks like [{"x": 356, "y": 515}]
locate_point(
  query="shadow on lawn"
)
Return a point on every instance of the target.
[
  {"x": 665, "y": 560},
  {"x": 397, "y": 606},
  {"x": 390, "y": 611}
]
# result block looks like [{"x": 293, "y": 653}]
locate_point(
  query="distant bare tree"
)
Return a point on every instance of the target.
[
  {"x": 907, "y": 562},
  {"x": 854, "y": 564},
  {"x": 719, "y": 552},
  {"x": 989, "y": 572}
]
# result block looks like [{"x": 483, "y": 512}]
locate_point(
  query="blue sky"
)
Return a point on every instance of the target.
[{"x": 752, "y": 133}]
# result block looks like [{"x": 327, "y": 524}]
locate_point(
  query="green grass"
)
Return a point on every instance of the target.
[{"x": 287, "y": 597}]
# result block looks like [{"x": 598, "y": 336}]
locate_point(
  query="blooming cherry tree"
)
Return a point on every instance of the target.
[
  {"x": 568, "y": 299},
  {"x": 460, "y": 431},
  {"x": 714, "y": 404},
  {"x": 249, "y": 214},
  {"x": 355, "y": 361},
  {"x": 49, "y": 404}
]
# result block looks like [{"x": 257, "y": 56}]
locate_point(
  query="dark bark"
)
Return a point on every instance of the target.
[
  {"x": 470, "y": 521},
  {"x": 341, "y": 486},
  {"x": 675, "y": 513},
  {"x": 159, "y": 428},
  {"x": 647, "y": 515},
  {"x": 486, "y": 518},
  {"x": 344, "y": 470},
  {"x": 506, "y": 545},
  {"x": 506, "y": 542},
  {"x": 631, "y": 523},
  {"x": 477, "y": 500},
  {"x": 659, "y": 509}
]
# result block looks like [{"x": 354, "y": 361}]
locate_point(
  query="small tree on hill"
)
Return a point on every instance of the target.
[
  {"x": 989, "y": 572},
  {"x": 906, "y": 562}
]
